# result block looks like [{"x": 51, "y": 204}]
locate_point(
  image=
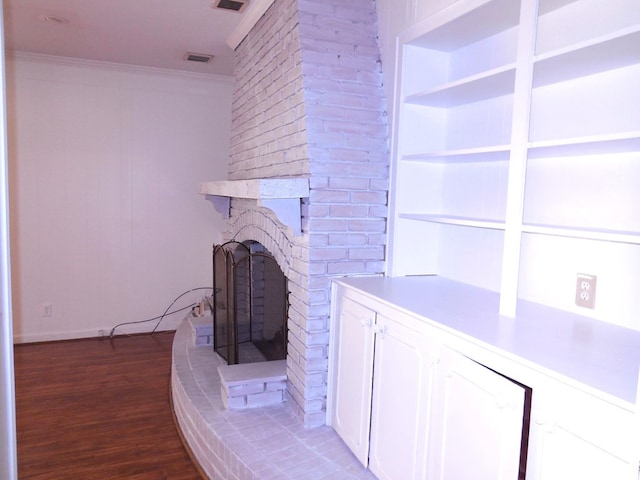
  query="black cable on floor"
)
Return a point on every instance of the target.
[{"x": 166, "y": 312}]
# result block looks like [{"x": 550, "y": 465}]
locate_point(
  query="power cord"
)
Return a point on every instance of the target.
[{"x": 166, "y": 312}]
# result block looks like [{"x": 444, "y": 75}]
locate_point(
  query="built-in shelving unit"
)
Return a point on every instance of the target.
[{"x": 516, "y": 144}]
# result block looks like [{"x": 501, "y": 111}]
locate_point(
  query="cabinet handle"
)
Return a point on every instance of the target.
[
  {"x": 380, "y": 329},
  {"x": 502, "y": 402},
  {"x": 545, "y": 420},
  {"x": 366, "y": 322}
]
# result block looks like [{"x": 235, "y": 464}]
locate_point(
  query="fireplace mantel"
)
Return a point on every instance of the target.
[{"x": 280, "y": 195}]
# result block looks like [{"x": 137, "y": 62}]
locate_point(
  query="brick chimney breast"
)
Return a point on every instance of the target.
[{"x": 308, "y": 102}]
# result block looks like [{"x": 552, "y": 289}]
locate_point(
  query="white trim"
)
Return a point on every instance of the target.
[
  {"x": 256, "y": 10},
  {"x": 167, "y": 325},
  {"x": 118, "y": 67},
  {"x": 8, "y": 451}
]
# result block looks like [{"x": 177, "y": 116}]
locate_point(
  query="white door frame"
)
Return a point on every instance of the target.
[{"x": 8, "y": 451}]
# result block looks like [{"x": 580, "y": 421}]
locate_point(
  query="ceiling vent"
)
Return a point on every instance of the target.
[
  {"x": 197, "y": 57},
  {"x": 235, "y": 5}
]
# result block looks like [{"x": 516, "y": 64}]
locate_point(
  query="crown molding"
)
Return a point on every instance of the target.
[
  {"x": 116, "y": 67},
  {"x": 256, "y": 10}
]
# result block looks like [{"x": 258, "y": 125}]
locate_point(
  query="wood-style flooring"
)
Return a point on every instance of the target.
[{"x": 98, "y": 409}]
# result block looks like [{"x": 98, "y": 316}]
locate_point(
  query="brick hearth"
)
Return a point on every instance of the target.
[{"x": 261, "y": 443}]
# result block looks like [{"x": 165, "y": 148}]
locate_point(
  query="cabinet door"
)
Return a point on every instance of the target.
[
  {"x": 352, "y": 366},
  {"x": 401, "y": 400},
  {"x": 576, "y": 435},
  {"x": 477, "y": 422}
]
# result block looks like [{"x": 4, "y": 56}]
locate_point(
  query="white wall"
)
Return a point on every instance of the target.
[{"x": 105, "y": 160}]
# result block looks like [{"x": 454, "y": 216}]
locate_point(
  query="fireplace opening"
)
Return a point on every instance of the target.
[{"x": 250, "y": 304}]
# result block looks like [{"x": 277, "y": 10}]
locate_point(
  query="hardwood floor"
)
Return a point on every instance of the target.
[{"x": 98, "y": 409}]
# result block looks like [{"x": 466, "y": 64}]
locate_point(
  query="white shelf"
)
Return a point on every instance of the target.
[
  {"x": 597, "y": 55},
  {"x": 517, "y": 140},
  {"x": 591, "y": 145},
  {"x": 468, "y": 155},
  {"x": 451, "y": 34},
  {"x": 584, "y": 233},
  {"x": 455, "y": 220},
  {"x": 546, "y": 6},
  {"x": 482, "y": 86}
]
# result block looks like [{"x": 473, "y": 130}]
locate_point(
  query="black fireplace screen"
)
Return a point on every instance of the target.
[{"x": 250, "y": 304}]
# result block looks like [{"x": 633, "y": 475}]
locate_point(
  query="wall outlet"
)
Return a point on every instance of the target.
[
  {"x": 586, "y": 290},
  {"x": 47, "y": 310}
]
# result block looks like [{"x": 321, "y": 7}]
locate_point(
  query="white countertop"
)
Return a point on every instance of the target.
[{"x": 600, "y": 355}]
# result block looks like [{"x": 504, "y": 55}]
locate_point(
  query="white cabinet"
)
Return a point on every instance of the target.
[
  {"x": 516, "y": 133},
  {"x": 380, "y": 401},
  {"x": 572, "y": 437},
  {"x": 401, "y": 399},
  {"x": 419, "y": 394},
  {"x": 411, "y": 409},
  {"x": 352, "y": 372},
  {"x": 478, "y": 423}
]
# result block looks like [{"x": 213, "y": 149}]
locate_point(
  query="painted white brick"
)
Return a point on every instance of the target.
[
  {"x": 350, "y": 239},
  {"x": 328, "y": 254},
  {"x": 374, "y": 267},
  {"x": 273, "y": 386},
  {"x": 243, "y": 389},
  {"x": 356, "y": 211},
  {"x": 264, "y": 399},
  {"x": 315, "y": 324},
  {"x": 231, "y": 403},
  {"x": 329, "y": 224},
  {"x": 329, "y": 196},
  {"x": 344, "y": 268},
  {"x": 313, "y": 364},
  {"x": 372, "y": 225},
  {"x": 315, "y": 338},
  {"x": 204, "y": 341},
  {"x": 371, "y": 253},
  {"x": 319, "y": 311},
  {"x": 337, "y": 147}
]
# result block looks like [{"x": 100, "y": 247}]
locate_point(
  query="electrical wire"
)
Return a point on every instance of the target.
[
  {"x": 166, "y": 312},
  {"x": 174, "y": 301},
  {"x": 148, "y": 319}
]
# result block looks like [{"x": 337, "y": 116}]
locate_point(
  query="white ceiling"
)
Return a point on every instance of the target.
[{"x": 153, "y": 33}]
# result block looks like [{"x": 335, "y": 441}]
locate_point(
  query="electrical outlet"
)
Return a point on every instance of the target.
[
  {"x": 586, "y": 290},
  {"x": 47, "y": 310}
]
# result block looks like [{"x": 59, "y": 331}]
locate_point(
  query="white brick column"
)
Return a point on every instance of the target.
[{"x": 308, "y": 101}]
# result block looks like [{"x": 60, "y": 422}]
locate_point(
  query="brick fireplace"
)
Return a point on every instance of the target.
[{"x": 308, "y": 104}]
